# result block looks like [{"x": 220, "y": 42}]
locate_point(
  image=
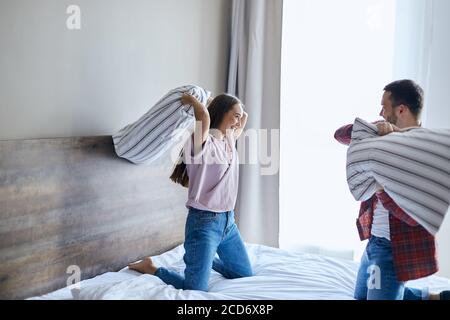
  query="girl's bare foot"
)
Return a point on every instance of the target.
[{"x": 144, "y": 266}]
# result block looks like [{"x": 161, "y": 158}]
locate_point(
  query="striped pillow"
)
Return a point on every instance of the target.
[
  {"x": 148, "y": 138},
  {"x": 413, "y": 167}
]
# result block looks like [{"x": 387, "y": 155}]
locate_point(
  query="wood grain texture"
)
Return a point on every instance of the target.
[{"x": 72, "y": 201}]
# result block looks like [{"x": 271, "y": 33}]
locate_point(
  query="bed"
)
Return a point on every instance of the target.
[
  {"x": 279, "y": 274},
  {"x": 72, "y": 204}
]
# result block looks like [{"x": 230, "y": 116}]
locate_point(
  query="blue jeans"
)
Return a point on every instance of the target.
[
  {"x": 205, "y": 234},
  {"x": 377, "y": 279}
]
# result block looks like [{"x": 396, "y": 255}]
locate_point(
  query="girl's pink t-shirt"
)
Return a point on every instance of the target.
[{"x": 213, "y": 174}]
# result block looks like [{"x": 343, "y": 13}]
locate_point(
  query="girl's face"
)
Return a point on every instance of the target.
[{"x": 232, "y": 119}]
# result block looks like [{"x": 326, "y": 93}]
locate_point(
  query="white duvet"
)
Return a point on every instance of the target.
[{"x": 279, "y": 274}]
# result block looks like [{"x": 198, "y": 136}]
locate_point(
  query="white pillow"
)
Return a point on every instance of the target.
[
  {"x": 148, "y": 138},
  {"x": 413, "y": 167}
]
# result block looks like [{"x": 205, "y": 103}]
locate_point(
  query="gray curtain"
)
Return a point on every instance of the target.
[{"x": 254, "y": 77}]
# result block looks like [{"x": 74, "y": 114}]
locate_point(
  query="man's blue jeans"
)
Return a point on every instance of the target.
[
  {"x": 205, "y": 234},
  {"x": 377, "y": 279}
]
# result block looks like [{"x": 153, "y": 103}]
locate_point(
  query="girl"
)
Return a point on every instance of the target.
[{"x": 210, "y": 171}]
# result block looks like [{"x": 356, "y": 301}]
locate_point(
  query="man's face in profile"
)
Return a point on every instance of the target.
[{"x": 387, "y": 111}]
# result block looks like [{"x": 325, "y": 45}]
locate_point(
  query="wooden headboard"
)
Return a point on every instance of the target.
[{"x": 73, "y": 201}]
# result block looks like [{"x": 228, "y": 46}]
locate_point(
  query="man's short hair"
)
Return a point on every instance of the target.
[{"x": 408, "y": 93}]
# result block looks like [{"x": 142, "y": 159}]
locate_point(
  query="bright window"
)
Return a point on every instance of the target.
[{"x": 337, "y": 56}]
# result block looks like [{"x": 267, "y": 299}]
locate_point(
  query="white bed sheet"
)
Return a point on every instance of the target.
[{"x": 279, "y": 274}]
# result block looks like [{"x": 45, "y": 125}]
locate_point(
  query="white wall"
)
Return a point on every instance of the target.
[{"x": 56, "y": 82}]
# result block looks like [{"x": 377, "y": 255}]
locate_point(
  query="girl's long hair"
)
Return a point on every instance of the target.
[{"x": 217, "y": 109}]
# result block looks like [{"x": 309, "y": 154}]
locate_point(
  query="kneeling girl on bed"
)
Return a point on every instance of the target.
[{"x": 210, "y": 170}]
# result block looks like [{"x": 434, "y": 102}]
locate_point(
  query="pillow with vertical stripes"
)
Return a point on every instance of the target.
[
  {"x": 413, "y": 168},
  {"x": 148, "y": 138}
]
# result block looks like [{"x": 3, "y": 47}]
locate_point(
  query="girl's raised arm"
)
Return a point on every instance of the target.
[{"x": 202, "y": 120}]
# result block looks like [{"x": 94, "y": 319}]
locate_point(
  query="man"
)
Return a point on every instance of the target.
[{"x": 399, "y": 249}]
